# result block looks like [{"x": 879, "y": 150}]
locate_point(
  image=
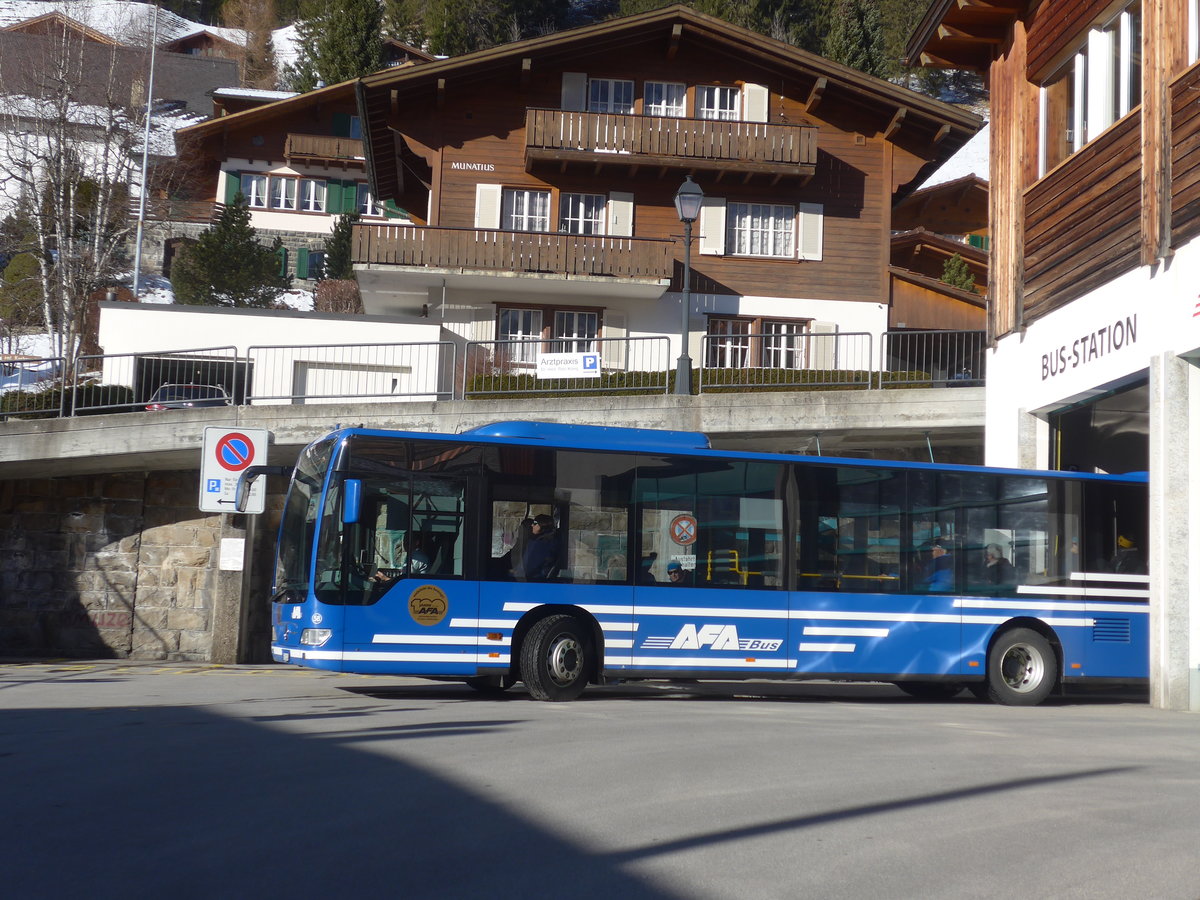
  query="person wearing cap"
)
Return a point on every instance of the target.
[
  {"x": 1128, "y": 559},
  {"x": 540, "y": 558},
  {"x": 939, "y": 570},
  {"x": 676, "y": 573}
]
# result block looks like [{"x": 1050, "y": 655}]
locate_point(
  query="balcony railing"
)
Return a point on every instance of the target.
[
  {"x": 557, "y": 134},
  {"x": 322, "y": 147},
  {"x": 513, "y": 251}
]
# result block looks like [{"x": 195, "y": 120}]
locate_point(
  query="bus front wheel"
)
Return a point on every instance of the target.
[
  {"x": 1022, "y": 668},
  {"x": 555, "y": 658}
]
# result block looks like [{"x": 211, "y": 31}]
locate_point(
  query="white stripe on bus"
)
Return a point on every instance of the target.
[
  {"x": 1105, "y": 576},
  {"x": 704, "y": 662},
  {"x": 381, "y": 656},
  {"x": 438, "y": 639},
  {"x": 817, "y": 647},
  {"x": 1123, "y": 593},
  {"x": 823, "y": 631},
  {"x": 1077, "y": 606}
]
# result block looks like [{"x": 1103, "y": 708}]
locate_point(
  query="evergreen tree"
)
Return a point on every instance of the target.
[
  {"x": 957, "y": 274},
  {"x": 856, "y": 37},
  {"x": 338, "y": 40},
  {"x": 227, "y": 266},
  {"x": 339, "y": 249}
]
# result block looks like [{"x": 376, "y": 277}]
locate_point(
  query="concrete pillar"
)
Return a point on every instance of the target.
[
  {"x": 1174, "y": 534},
  {"x": 228, "y": 612},
  {"x": 1032, "y": 441}
]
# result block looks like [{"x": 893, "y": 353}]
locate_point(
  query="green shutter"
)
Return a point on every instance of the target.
[
  {"x": 341, "y": 124},
  {"x": 392, "y": 211},
  {"x": 302, "y": 263},
  {"x": 233, "y": 184},
  {"x": 349, "y": 196},
  {"x": 282, "y": 254},
  {"x": 333, "y": 197}
]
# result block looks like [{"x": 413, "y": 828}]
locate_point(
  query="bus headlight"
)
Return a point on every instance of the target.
[{"x": 315, "y": 637}]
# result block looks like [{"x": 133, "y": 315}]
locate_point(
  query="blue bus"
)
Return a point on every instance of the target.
[{"x": 561, "y": 555}]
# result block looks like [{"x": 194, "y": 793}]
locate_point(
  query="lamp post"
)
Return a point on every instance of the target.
[{"x": 687, "y": 205}]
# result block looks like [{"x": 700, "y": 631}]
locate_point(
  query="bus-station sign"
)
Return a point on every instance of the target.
[{"x": 227, "y": 453}]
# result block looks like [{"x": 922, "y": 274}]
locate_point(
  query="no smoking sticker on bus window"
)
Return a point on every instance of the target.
[{"x": 683, "y": 530}]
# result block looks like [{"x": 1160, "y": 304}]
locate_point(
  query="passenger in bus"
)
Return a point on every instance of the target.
[
  {"x": 539, "y": 562},
  {"x": 1128, "y": 559},
  {"x": 677, "y": 574},
  {"x": 939, "y": 568},
  {"x": 997, "y": 567}
]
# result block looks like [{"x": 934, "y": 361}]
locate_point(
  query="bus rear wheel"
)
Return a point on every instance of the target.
[
  {"x": 556, "y": 658},
  {"x": 930, "y": 690},
  {"x": 1022, "y": 668}
]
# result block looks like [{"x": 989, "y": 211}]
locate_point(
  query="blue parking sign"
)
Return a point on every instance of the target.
[{"x": 213, "y": 485}]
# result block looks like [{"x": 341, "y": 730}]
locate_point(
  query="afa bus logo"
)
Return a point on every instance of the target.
[
  {"x": 428, "y": 604},
  {"x": 715, "y": 637}
]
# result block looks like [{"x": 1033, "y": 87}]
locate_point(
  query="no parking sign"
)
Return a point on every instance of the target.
[{"x": 227, "y": 453}]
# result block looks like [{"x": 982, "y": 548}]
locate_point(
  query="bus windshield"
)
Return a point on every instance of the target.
[{"x": 299, "y": 520}]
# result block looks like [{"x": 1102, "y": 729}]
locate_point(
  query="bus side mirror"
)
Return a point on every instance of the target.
[
  {"x": 246, "y": 481},
  {"x": 351, "y": 500}
]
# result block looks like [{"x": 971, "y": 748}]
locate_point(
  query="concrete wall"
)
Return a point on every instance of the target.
[{"x": 123, "y": 565}]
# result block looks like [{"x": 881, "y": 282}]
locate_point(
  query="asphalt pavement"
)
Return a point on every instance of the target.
[{"x": 149, "y": 780}]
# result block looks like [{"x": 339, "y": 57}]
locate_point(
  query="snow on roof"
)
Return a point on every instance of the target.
[
  {"x": 163, "y": 124},
  {"x": 131, "y": 22},
  {"x": 253, "y": 93},
  {"x": 971, "y": 159}
]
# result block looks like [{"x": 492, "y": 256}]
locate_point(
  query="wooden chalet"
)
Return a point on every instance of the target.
[
  {"x": 539, "y": 177},
  {"x": 1095, "y": 210}
]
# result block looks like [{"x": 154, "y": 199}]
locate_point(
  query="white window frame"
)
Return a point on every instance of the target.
[
  {"x": 517, "y": 323},
  {"x": 312, "y": 195},
  {"x": 785, "y": 343},
  {"x": 365, "y": 203},
  {"x": 610, "y": 95},
  {"x": 729, "y": 342},
  {"x": 581, "y": 213},
  {"x": 283, "y": 193},
  {"x": 525, "y": 209},
  {"x": 760, "y": 229},
  {"x": 575, "y": 331},
  {"x": 665, "y": 98},
  {"x": 254, "y": 189},
  {"x": 718, "y": 102},
  {"x": 1193, "y": 30}
]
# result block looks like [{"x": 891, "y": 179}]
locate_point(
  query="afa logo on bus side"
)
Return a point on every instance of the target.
[{"x": 428, "y": 604}]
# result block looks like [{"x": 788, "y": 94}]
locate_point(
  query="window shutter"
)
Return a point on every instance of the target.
[
  {"x": 487, "y": 206},
  {"x": 333, "y": 197},
  {"x": 233, "y": 184},
  {"x": 341, "y": 124},
  {"x": 574, "y": 90},
  {"x": 823, "y": 350},
  {"x": 302, "y": 263},
  {"x": 281, "y": 253},
  {"x": 712, "y": 226},
  {"x": 613, "y": 353},
  {"x": 620, "y": 214},
  {"x": 811, "y": 227},
  {"x": 756, "y": 101},
  {"x": 349, "y": 196},
  {"x": 391, "y": 210}
]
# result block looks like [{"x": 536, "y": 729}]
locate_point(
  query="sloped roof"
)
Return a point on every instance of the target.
[{"x": 947, "y": 127}]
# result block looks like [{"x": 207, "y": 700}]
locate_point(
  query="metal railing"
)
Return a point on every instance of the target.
[
  {"x": 32, "y": 386},
  {"x": 445, "y": 370},
  {"x": 130, "y": 381},
  {"x": 811, "y": 359},
  {"x": 360, "y": 372},
  {"x": 639, "y": 365},
  {"x": 950, "y": 358}
]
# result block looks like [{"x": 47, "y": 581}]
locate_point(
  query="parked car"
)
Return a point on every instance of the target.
[{"x": 186, "y": 396}]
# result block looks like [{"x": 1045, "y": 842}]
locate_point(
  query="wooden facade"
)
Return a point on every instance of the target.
[
  {"x": 808, "y": 134},
  {"x": 1126, "y": 197}
]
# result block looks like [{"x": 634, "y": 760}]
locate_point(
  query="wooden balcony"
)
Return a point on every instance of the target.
[
  {"x": 323, "y": 150},
  {"x": 1185, "y": 157},
  {"x": 469, "y": 250},
  {"x": 556, "y": 135}
]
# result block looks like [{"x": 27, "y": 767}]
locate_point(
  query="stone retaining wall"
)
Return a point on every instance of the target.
[{"x": 120, "y": 565}]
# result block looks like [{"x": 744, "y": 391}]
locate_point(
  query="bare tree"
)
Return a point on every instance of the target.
[
  {"x": 256, "y": 61},
  {"x": 71, "y": 130}
]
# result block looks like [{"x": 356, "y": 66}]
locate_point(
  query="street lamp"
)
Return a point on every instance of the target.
[{"x": 687, "y": 205}]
